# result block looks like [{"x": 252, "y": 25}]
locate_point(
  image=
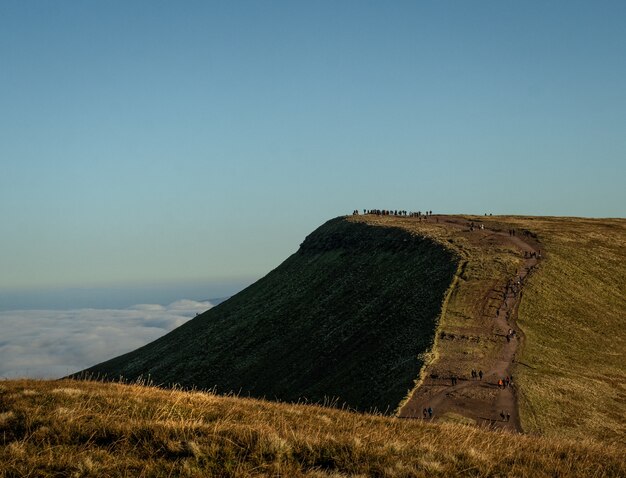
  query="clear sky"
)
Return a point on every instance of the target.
[{"x": 152, "y": 141}]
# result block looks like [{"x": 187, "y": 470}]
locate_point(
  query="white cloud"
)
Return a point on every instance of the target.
[{"x": 55, "y": 343}]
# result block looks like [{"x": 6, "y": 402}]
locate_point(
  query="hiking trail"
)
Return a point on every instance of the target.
[{"x": 475, "y": 400}]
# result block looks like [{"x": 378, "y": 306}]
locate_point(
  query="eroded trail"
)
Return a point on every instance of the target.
[{"x": 456, "y": 394}]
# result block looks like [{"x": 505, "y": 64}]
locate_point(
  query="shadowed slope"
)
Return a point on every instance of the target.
[{"x": 344, "y": 317}]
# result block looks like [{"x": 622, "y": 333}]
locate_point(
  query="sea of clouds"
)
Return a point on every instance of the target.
[{"x": 55, "y": 343}]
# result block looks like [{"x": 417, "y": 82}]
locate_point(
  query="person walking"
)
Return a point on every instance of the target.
[{"x": 430, "y": 412}]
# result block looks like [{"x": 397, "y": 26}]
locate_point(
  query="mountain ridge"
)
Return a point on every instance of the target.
[{"x": 330, "y": 323}]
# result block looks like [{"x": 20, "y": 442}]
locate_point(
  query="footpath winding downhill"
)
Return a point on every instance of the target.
[{"x": 476, "y": 400}]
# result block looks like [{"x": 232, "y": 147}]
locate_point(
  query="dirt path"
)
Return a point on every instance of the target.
[{"x": 483, "y": 401}]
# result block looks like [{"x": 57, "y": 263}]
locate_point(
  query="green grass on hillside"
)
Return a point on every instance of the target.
[
  {"x": 87, "y": 429},
  {"x": 344, "y": 318}
]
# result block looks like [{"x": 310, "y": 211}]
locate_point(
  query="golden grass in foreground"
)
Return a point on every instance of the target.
[{"x": 67, "y": 428}]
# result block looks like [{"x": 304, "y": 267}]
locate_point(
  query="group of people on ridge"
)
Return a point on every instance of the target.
[{"x": 394, "y": 212}]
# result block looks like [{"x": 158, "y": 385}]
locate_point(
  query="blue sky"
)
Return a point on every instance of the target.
[{"x": 143, "y": 142}]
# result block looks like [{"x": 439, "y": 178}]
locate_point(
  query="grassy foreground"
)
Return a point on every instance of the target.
[{"x": 79, "y": 428}]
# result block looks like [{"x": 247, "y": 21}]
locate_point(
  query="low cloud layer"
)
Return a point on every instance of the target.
[{"x": 54, "y": 343}]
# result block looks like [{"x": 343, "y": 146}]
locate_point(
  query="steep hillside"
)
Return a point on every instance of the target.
[
  {"x": 87, "y": 429},
  {"x": 345, "y": 317}
]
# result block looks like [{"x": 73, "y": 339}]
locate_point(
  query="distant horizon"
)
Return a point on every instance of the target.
[
  {"x": 106, "y": 296},
  {"x": 52, "y": 343},
  {"x": 52, "y": 332}
]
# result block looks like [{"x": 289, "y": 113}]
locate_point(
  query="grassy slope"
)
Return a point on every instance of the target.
[
  {"x": 68, "y": 428},
  {"x": 574, "y": 314},
  {"x": 346, "y": 316}
]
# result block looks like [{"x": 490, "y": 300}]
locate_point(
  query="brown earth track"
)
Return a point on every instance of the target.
[{"x": 482, "y": 401}]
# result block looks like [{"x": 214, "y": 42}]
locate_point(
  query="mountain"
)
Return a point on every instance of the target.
[
  {"x": 377, "y": 311},
  {"x": 343, "y": 319}
]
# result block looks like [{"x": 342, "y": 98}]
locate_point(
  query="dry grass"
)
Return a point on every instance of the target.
[
  {"x": 573, "y": 314},
  {"x": 94, "y": 429}
]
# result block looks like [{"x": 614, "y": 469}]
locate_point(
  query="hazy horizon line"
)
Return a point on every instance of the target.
[{"x": 117, "y": 296}]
